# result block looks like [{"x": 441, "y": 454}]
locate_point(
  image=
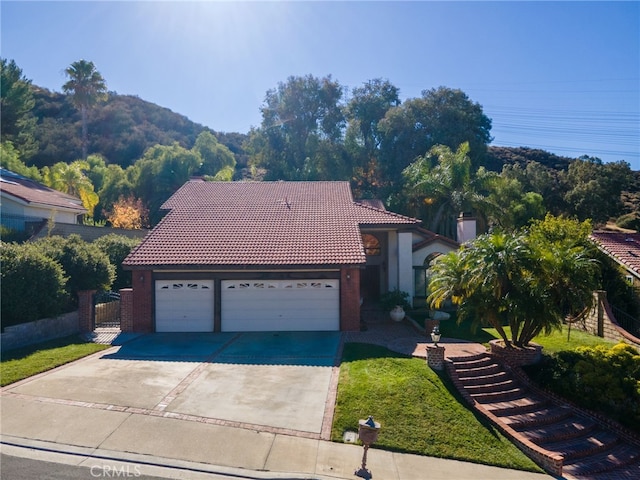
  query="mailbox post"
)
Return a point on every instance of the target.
[{"x": 368, "y": 433}]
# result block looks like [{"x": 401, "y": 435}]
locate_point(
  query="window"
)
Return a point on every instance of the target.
[
  {"x": 421, "y": 275},
  {"x": 371, "y": 244}
]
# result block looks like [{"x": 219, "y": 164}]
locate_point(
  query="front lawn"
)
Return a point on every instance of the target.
[
  {"x": 27, "y": 361},
  {"x": 419, "y": 410}
]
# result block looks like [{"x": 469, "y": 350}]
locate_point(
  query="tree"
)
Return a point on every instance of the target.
[
  {"x": 10, "y": 159},
  {"x": 17, "y": 122},
  {"x": 215, "y": 156},
  {"x": 528, "y": 280},
  {"x": 71, "y": 179},
  {"x": 160, "y": 172},
  {"x": 444, "y": 191},
  {"x": 300, "y": 137},
  {"x": 88, "y": 87},
  {"x": 367, "y": 107},
  {"x": 512, "y": 207},
  {"x": 442, "y": 116},
  {"x": 594, "y": 188},
  {"x": 128, "y": 212},
  {"x": 117, "y": 247}
]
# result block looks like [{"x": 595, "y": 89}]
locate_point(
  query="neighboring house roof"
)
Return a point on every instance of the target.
[
  {"x": 261, "y": 223},
  {"x": 430, "y": 237},
  {"x": 30, "y": 192},
  {"x": 624, "y": 248}
]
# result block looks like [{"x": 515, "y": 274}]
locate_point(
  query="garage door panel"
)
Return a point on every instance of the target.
[
  {"x": 311, "y": 305},
  {"x": 184, "y": 305}
]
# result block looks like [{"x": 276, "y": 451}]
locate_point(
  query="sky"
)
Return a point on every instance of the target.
[{"x": 560, "y": 76}]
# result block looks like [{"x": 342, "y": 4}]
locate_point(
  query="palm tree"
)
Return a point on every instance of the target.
[
  {"x": 70, "y": 179},
  {"x": 525, "y": 280},
  {"x": 88, "y": 88},
  {"x": 448, "y": 188}
]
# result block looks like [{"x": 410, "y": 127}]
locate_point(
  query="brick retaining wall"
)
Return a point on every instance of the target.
[{"x": 601, "y": 322}]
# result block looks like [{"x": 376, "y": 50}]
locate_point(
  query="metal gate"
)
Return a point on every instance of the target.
[{"x": 106, "y": 310}]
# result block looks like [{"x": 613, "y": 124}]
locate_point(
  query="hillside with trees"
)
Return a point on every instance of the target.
[{"x": 427, "y": 157}]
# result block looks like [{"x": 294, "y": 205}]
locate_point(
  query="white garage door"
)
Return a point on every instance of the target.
[
  {"x": 184, "y": 305},
  {"x": 290, "y": 305}
]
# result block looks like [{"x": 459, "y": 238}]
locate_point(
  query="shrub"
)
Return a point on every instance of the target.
[
  {"x": 395, "y": 297},
  {"x": 87, "y": 267},
  {"x": 117, "y": 247},
  {"x": 33, "y": 285},
  {"x": 606, "y": 380},
  {"x": 629, "y": 220}
]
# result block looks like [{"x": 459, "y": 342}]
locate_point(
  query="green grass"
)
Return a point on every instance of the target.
[
  {"x": 419, "y": 410},
  {"x": 24, "y": 362},
  {"x": 552, "y": 343}
]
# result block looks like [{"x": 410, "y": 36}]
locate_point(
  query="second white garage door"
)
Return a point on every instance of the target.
[
  {"x": 290, "y": 305},
  {"x": 184, "y": 305}
]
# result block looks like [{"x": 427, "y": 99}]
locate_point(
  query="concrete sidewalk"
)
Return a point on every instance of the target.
[{"x": 178, "y": 449}]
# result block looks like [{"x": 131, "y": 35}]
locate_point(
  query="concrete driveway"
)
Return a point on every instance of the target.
[{"x": 276, "y": 380}]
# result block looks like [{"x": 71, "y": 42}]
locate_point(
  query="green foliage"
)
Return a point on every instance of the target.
[
  {"x": 71, "y": 179},
  {"x": 600, "y": 378},
  {"x": 32, "y": 285},
  {"x": 86, "y": 265},
  {"x": 10, "y": 159},
  {"x": 395, "y": 297},
  {"x": 594, "y": 188},
  {"x": 161, "y": 171},
  {"x": 528, "y": 280},
  {"x": 300, "y": 137},
  {"x": 117, "y": 247},
  {"x": 629, "y": 220},
  {"x": 17, "y": 121},
  {"x": 446, "y": 189},
  {"x": 87, "y": 88},
  {"x": 215, "y": 156},
  {"x": 442, "y": 116}
]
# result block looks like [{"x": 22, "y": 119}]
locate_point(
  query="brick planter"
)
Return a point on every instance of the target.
[
  {"x": 435, "y": 357},
  {"x": 516, "y": 356}
]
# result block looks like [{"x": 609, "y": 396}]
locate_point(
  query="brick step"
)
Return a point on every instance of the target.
[
  {"x": 527, "y": 404},
  {"x": 622, "y": 455},
  {"x": 481, "y": 370},
  {"x": 571, "y": 427},
  {"x": 494, "y": 387},
  {"x": 484, "y": 379},
  {"x": 468, "y": 358},
  {"x": 477, "y": 361},
  {"x": 507, "y": 395},
  {"x": 543, "y": 416},
  {"x": 596, "y": 442}
]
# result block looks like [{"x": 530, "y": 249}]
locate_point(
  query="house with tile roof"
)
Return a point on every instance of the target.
[
  {"x": 272, "y": 256},
  {"x": 26, "y": 202},
  {"x": 623, "y": 248}
]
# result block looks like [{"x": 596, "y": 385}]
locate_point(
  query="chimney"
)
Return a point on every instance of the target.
[{"x": 466, "y": 227}]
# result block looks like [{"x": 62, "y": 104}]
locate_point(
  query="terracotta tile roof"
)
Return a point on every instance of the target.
[
  {"x": 259, "y": 224},
  {"x": 429, "y": 237},
  {"x": 34, "y": 193},
  {"x": 623, "y": 247}
]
